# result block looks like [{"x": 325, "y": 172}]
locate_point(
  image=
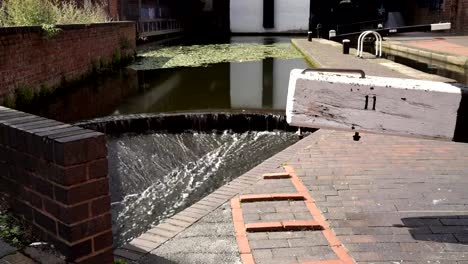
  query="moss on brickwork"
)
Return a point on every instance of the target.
[
  {"x": 26, "y": 98},
  {"x": 9, "y": 101}
]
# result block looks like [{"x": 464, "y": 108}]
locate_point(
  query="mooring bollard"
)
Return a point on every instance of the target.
[
  {"x": 309, "y": 36},
  {"x": 346, "y": 43},
  {"x": 331, "y": 34}
]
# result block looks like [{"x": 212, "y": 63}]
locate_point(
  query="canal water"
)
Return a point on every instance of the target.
[
  {"x": 259, "y": 84},
  {"x": 156, "y": 175},
  {"x": 460, "y": 75}
]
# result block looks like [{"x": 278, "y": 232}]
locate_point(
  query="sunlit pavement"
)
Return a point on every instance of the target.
[{"x": 387, "y": 199}]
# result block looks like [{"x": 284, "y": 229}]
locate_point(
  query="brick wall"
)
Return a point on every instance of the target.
[
  {"x": 454, "y": 11},
  {"x": 463, "y": 17},
  {"x": 114, "y": 9},
  {"x": 28, "y": 58},
  {"x": 56, "y": 178}
]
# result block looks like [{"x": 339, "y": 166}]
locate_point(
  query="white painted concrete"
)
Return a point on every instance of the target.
[
  {"x": 290, "y": 15},
  {"x": 392, "y": 106}
]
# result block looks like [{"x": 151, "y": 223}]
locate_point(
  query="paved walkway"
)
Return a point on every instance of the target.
[
  {"x": 10, "y": 255},
  {"x": 328, "y": 54},
  {"x": 387, "y": 199},
  {"x": 453, "y": 45}
]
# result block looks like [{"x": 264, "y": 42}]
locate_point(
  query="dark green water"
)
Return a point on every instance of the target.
[{"x": 223, "y": 86}]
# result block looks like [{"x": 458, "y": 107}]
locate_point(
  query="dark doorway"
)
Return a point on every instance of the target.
[
  {"x": 346, "y": 16},
  {"x": 268, "y": 13}
]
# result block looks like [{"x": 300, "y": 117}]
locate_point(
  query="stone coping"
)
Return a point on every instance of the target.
[
  {"x": 29, "y": 29},
  {"x": 458, "y": 60}
]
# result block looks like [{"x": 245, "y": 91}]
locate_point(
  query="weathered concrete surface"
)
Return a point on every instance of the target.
[
  {"x": 328, "y": 54},
  {"x": 16, "y": 258},
  {"x": 211, "y": 240},
  {"x": 6, "y": 249},
  {"x": 388, "y": 106}
]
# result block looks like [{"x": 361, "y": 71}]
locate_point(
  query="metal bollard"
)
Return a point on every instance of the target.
[
  {"x": 309, "y": 36},
  {"x": 331, "y": 34},
  {"x": 319, "y": 27},
  {"x": 346, "y": 43}
]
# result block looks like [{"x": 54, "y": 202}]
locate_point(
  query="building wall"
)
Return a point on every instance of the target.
[
  {"x": 56, "y": 178},
  {"x": 290, "y": 15},
  {"x": 462, "y": 25},
  {"x": 29, "y": 58},
  {"x": 454, "y": 11}
]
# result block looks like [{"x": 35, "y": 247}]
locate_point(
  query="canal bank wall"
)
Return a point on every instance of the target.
[
  {"x": 33, "y": 59},
  {"x": 55, "y": 177},
  {"x": 449, "y": 61}
]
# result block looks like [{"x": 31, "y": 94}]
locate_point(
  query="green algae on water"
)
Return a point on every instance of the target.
[{"x": 203, "y": 55}]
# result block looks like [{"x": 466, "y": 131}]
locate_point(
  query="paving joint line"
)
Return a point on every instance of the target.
[{"x": 241, "y": 228}]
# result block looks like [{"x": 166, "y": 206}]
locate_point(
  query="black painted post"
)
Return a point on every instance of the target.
[
  {"x": 309, "y": 36},
  {"x": 346, "y": 43}
]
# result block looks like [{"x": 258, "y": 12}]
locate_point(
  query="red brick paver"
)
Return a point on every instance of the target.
[
  {"x": 440, "y": 45},
  {"x": 319, "y": 223}
]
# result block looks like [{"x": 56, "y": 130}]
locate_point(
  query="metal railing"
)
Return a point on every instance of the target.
[
  {"x": 158, "y": 26},
  {"x": 378, "y": 43}
]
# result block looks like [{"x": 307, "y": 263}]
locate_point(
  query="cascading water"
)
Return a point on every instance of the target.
[
  {"x": 153, "y": 176},
  {"x": 156, "y": 175}
]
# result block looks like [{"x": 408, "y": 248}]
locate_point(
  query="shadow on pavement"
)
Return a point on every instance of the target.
[{"x": 444, "y": 229}]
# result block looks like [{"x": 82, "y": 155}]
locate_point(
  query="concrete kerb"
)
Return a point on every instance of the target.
[
  {"x": 461, "y": 61},
  {"x": 309, "y": 58}
]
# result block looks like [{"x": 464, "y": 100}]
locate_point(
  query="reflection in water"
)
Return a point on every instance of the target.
[
  {"x": 98, "y": 97},
  {"x": 155, "y": 176},
  {"x": 245, "y": 85},
  {"x": 251, "y": 85}
]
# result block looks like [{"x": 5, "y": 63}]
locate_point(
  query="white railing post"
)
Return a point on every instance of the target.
[{"x": 378, "y": 43}]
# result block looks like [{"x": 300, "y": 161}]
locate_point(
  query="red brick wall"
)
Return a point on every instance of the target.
[
  {"x": 56, "y": 177},
  {"x": 28, "y": 58},
  {"x": 463, "y": 17},
  {"x": 454, "y": 11},
  {"x": 114, "y": 9}
]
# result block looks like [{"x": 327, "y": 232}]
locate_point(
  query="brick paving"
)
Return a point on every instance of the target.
[
  {"x": 454, "y": 45},
  {"x": 328, "y": 54},
  {"x": 387, "y": 199},
  {"x": 391, "y": 199}
]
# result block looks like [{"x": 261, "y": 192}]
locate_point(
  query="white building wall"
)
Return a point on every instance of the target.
[{"x": 290, "y": 15}]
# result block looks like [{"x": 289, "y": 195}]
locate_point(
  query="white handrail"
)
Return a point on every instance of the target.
[{"x": 378, "y": 43}]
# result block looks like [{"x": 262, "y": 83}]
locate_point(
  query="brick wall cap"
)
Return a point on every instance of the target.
[{"x": 29, "y": 29}]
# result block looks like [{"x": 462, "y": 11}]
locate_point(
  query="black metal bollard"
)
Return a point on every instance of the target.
[
  {"x": 309, "y": 36},
  {"x": 346, "y": 43},
  {"x": 319, "y": 27}
]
